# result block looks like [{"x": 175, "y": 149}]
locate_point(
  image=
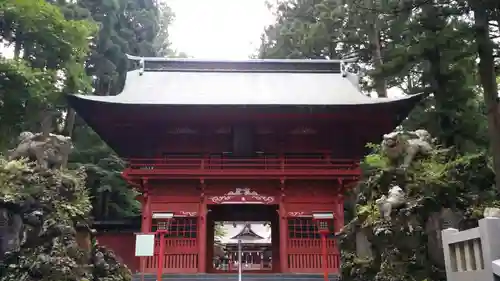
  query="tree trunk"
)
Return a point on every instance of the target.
[
  {"x": 17, "y": 46},
  {"x": 46, "y": 117},
  {"x": 438, "y": 81},
  {"x": 488, "y": 81},
  {"x": 376, "y": 49},
  {"x": 69, "y": 122}
]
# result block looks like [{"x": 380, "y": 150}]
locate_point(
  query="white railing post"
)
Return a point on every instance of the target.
[
  {"x": 449, "y": 258},
  {"x": 470, "y": 254},
  {"x": 489, "y": 228}
]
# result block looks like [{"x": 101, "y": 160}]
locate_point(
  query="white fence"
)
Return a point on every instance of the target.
[{"x": 473, "y": 254}]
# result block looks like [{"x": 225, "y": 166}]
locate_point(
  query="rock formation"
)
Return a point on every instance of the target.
[
  {"x": 396, "y": 239},
  {"x": 50, "y": 151},
  {"x": 42, "y": 210}
]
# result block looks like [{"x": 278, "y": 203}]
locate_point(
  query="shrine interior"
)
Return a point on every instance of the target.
[{"x": 256, "y": 226}]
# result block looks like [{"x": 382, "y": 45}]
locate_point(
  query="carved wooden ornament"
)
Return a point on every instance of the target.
[{"x": 242, "y": 196}]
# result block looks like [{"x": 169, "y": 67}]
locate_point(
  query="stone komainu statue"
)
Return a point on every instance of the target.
[
  {"x": 49, "y": 151},
  {"x": 402, "y": 147},
  {"x": 396, "y": 198}
]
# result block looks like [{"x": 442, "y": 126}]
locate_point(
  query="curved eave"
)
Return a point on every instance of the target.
[
  {"x": 116, "y": 101},
  {"x": 104, "y": 118}
]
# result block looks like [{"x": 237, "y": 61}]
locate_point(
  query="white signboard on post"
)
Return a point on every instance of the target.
[{"x": 144, "y": 245}]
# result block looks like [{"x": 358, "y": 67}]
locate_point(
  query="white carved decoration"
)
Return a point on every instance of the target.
[
  {"x": 188, "y": 214},
  {"x": 297, "y": 214},
  {"x": 242, "y": 195}
]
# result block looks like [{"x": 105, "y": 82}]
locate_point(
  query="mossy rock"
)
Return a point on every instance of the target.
[
  {"x": 401, "y": 246},
  {"x": 48, "y": 205}
]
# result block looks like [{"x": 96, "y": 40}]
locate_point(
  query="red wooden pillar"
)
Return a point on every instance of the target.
[
  {"x": 324, "y": 254},
  {"x": 338, "y": 224},
  {"x": 283, "y": 224},
  {"x": 202, "y": 231},
  {"x": 146, "y": 216},
  {"x": 146, "y": 207},
  {"x": 339, "y": 212}
]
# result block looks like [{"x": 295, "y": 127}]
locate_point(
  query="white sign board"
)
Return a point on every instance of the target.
[
  {"x": 144, "y": 245},
  {"x": 319, "y": 216}
]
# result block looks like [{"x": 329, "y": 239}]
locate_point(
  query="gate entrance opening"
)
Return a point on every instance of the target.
[{"x": 255, "y": 226}]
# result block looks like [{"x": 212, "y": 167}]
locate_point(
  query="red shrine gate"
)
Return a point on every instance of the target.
[
  {"x": 198, "y": 134},
  {"x": 189, "y": 247}
]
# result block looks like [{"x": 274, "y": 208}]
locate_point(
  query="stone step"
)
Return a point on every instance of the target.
[{"x": 231, "y": 277}]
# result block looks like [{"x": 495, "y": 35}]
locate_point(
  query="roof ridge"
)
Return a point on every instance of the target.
[
  {"x": 249, "y": 231},
  {"x": 251, "y": 60}
]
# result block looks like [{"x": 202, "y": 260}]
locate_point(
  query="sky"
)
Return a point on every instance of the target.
[{"x": 218, "y": 29}]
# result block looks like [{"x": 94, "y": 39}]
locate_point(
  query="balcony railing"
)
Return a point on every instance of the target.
[{"x": 249, "y": 166}]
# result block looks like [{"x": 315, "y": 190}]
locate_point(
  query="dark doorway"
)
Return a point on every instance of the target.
[{"x": 257, "y": 226}]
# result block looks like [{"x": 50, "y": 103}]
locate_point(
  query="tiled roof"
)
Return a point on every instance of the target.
[
  {"x": 261, "y": 230},
  {"x": 257, "y": 82}
]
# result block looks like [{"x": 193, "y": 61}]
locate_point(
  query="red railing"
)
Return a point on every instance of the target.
[
  {"x": 249, "y": 163},
  {"x": 180, "y": 166}
]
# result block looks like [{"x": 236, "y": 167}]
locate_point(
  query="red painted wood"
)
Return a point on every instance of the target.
[
  {"x": 247, "y": 168},
  {"x": 121, "y": 245},
  {"x": 218, "y": 116},
  {"x": 202, "y": 236},
  {"x": 296, "y": 198},
  {"x": 210, "y": 246},
  {"x": 272, "y": 138},
  {"x": 223, "y": 187},
  {"x": 305, "y": 251},
  {"x": 187, "y": 209},
  {"x": 283, "y": 224},
  {"x": 184, "y": 143},
  {"x": 146, "y": 212},
  {"x": 307, "y": 209},
  {"x": 339, "y": 213},
  {"x": 175, "y": 188},
  {"x": 181, "y": 248}
]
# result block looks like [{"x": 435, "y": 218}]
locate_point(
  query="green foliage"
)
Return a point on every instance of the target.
[
  {"x": 69, "y": 47},
  {"x": 53, "y": 41},
  {"x": 63, "y": 192},
  {"x": 19, "y": 83},
  {"x": 62, "y": 198},
  {"x": 442, "y": 181},
  {"x": 51, "y": 250},
  {"x": 375, "y": 160},
  {"x": 419, "y": 47},
  {"x": 53, "y": 51},
  {"x": 112, "y": 197},
  {"x": 429, "y": 50},
  {"x": 219, "y": 231},
  {"x": 60, "y": 48},
  {"x": 126, "y": 27}
]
